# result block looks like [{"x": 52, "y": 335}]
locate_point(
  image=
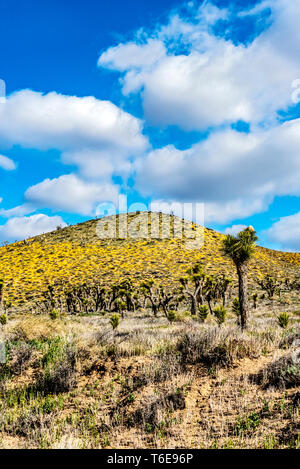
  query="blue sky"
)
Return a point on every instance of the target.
[{"x": 163, "y": 101}]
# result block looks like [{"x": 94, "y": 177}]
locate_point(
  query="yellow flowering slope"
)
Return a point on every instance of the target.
[{"x": 76, "y": 254}]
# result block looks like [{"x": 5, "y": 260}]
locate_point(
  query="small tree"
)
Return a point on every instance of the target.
[
  {"x": 236, "y": 309},
  {"x": 1, "y": 294},
  {"x": 255, "y": 298},
  {"x": 223, "y": 284},
  {"x": 240, "y": 249},
  {"x": 115, "y": 321},
  {"x": 152, "y": 294},
  {"x": 193, "y": 285},
  {"x": 203, "y": 312},
  {"x": 54, "y": 314},
  {"x": 171, "y": 316},
  {"x": 166, "y": 299},
  {"x": 220, "y": 312},
  {"x": 3, "y": 319},
  {"x": 271, "y": 285},
  {"x": 120, "y": 305}
]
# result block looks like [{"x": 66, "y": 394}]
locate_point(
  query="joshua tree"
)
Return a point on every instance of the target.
[
  {"x": 198, "y": 280},
  {"x": 166, "y": 297},
  {"x": 271, "y": 285},
  {"x": 203, "y": 312},
  {"x": 115, "y": 321},
  {"x": 223, "y": 284},
  {"x": 220, "y": 313},
  {"x": 1, "y": 295},
  {"x": 152, "y": 294},
  {"x": 120, "y": 306},
  {"x": 255, "y": 298},
  {"x": 240, "y": 249},
  {"x": 128, "y": 293}
]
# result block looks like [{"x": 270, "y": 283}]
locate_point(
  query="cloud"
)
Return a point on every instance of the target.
[
  {"x": 18, "y": 211},
  {"x": 99, "y": 165},
  {"x": 214, "y": 81},
  {"x": 35, "y": 120},
  {"x": 286, "y": 232},
  {"x": 235, "y": 229},
  {"x": 7, "y": 163},
  {"x": 132, "y": 55},
  {"x": 235, "y": 174},
  {"x": 70, "y": 194},
  {"x": 25, "y": 227},
  {"x": 78, "y": 127},
  {"x": 96, "y": 136}
]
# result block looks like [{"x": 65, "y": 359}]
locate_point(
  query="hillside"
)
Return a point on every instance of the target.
[{"x": 75, "y": 255}]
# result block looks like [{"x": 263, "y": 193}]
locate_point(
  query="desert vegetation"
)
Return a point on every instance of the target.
[{"x": 179, "y": 355}]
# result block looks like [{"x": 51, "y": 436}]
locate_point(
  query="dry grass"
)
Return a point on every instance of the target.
[{"x": 75, "y": 383}]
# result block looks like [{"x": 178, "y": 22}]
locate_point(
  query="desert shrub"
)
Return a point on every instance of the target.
[
  {"x": 20, "y": 356},
  {"x": 115, "y": 321},
  {"x": 247, "y": 424},
  {"x": 3, "y": 319},
  {"x": 150, "y": 413},
  {"x": 30, "y": 424},
  {"x": 203, "y": 312},
  {"x": 36, "y": 328},
  {"x": 59, "y": 376},
  {"x": 283, "y": 320},
  {"x": 290, "y": 337},
  {"x": 215, "y": 346},
  {"x": 54, "y": 314},
  {"x": 282, "y": 373},
  {"x": 54, "y": 350},
  {"x": 220, "y": 312},
  {"x": 162, "y": 369}
]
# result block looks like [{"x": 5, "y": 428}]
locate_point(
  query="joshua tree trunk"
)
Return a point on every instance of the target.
[
  {"x": 1, "y": 295},
  {"x": 193, "y": 306},
  {"x": 242, "y": 271},
  {"x": 209, "y": 305}
]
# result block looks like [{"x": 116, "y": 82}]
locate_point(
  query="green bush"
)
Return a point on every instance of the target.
[
  {"x": 236, "y": 309},
  {"x": 171, "y": 316},
  {"x": 3, "y": 319},
  {"x": 203, "y": 312},
  {"x": 283, "y": 320},
  {"x": 115, "y": 321},
  {"x": 220, "y": 312},
  {"x": 60, "y": 376},
  {"x": 54, "y": 314}
]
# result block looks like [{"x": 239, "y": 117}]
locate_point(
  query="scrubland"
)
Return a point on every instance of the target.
[{"x": 74, "y": 382}]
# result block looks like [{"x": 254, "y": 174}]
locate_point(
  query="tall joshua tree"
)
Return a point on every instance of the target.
[
  {"x": 1, "y": 295},
  {"x": 240, "y": 249}
]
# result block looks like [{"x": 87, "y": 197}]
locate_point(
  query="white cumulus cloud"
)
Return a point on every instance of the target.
[
  {"x": 7, "y": 163},
  {"x": 286, "y": 232},
  {"x": 235, "y": 174},
  {"x": 78, "y": 127},
  {"x": 18, "y": 228},
  {"x": 215, "y": 81},
  {"x": 71, "y": 194}
]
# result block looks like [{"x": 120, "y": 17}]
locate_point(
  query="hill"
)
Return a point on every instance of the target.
[{"x": 76, "y": 254}]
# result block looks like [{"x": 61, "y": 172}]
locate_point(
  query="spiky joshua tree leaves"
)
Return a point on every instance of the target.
[{"x": 240, "y": 249}]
